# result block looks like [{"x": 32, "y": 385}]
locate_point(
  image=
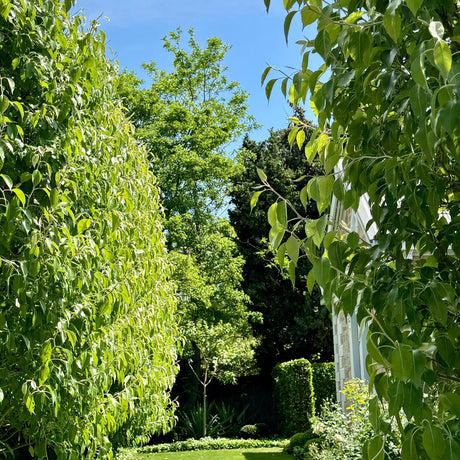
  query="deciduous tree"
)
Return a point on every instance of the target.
[{"x": 387, "y": 99}]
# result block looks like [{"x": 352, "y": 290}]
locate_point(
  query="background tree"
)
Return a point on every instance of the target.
[
  {"x": 388, "y": 111},
  {"x": 294, "y": 325},
  {"x": 87, "y": 334},
  {"x": 186, "y": 118}
]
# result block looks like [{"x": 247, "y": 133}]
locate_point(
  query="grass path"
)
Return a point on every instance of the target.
[{"x": 266, "y": 453}]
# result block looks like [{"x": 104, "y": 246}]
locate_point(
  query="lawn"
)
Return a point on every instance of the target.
[{"x": 266, "y": 453}]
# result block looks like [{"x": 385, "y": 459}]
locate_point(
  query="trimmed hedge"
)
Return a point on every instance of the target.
[
  {"x": 201, "y": 444},
  {"x": 293, "y": 395},
  {"x": 323, "y": 383}
]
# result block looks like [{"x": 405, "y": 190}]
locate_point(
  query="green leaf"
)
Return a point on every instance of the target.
[
  {"x": 417, "y": 68},
  {"x": 310, "y": 281},
  {"x": 392, "y": 24},
  {"x": 375, "y": 352},
  {"x": 443, "y": 57},
  {"x": 44, "y": 374},
  {"x": 18, "y": 105},
  {"x": 291, "y": 271},
  {"x": 46, "y": 352},
  {"x": 309, "y": 15},
  {"x": 292, "y": 248},
  {"x": 450, "y": 402},
  {"x": 262, "y": 175},
  {"x": 375, "y": 448},
  {"x": 287, "y": 23},
  {"x": 353, "y": 240},
  {"x": 325, "y": 185},
  {"x": 402, "y": 362},
  {"x": 323, "y": 44},
  {"x": 414, "y": 5},
  {"x": 267, "y": 4},
  {"x": 20, "y": 194},
  {"x": 36, "y": 178},
  {"x": 409, "y": 447},
  {"x": 300, "y": 138},
  {"x": 271, "y": 214},
  {"x": 419, "y": 100},
  {"x": 304, "y": 196},
  {"x": 4, "y": 104},
  {"x": 374, "y": 413},
  {"x": 264, "y": 74},
  {"x": 54, "y": 197},
  {"x": 281, "y": 213},
  {"x": 7, "y": 180},
  {"x": 83, "y": 225},
  {"x": 254, "y": 199},
  {"x": 281, "y": 254},
  {"x": 269, "y": 87},
  {"x": 322, "y": 271},
  {"x": 433, "y": 441}
]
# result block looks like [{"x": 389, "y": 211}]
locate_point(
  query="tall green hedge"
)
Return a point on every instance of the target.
[
  {"x": 293, "y": 394},
  {"x": 323, "y": 383},
  {"x": 87, "y": 336}
]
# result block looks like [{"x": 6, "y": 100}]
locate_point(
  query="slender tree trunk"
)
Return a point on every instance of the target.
[{"x": 204, "y": 402}]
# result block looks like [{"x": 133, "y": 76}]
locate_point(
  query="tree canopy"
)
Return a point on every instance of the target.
[
  {"x": 88, "y": 342},
  {"x": 186, "y": 118},
  {"x": 294, "y": 324},
  {"x": 387, "y": 99}
]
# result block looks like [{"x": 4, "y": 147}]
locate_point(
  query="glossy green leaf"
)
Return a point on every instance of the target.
[
  {"x": 20, "y": 194},
  {"x": 262, "y": 175},
  {"x": 375, "y": 448},
  {"x": 254, "y": 199},
  {"x": 269, "y": 87},
  {"x": 443, "y": 57},
  {"x": 392, "y": 24},
  {"x": 292, "y": 248},
  {"x": 323, "y": 44},
  {"x": 287, "y": 23},
  {"x": 309, "y": 15},
  {"x": 433, "y": 441},
  {"x": 281, "y": 213},
  {"x": 402, "y": 362},
  {"x": 414, "y": 5}
]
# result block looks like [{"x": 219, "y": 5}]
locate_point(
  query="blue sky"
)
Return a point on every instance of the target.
[{"x": 134, "y": 29}]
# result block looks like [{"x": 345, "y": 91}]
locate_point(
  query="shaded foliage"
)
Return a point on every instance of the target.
[{"x": 294, "y": 323}]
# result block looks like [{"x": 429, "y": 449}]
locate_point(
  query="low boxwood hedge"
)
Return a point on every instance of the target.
[{"x": 202, "y": 444}]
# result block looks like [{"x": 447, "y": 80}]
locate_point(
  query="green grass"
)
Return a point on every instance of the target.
[{"x": 265, "y": 453}]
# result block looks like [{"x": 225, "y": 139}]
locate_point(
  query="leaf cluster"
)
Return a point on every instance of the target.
[
  {"x": 387, "y": 100},
  {"x": 88, "y": 342}
]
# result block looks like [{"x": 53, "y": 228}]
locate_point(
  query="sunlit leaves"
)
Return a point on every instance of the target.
[
  {"x": 442, "y": 57},
  {"x": 64, "y": 289}
]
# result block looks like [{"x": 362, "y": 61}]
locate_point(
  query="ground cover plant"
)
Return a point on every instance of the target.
[{"x": 387, "y": 100}]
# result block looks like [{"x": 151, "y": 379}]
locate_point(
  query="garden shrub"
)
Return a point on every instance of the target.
[
  {"x": 202, "y": 444},
  {"x": 323, "y": 383},
  {"x": 249, "y": 432},
  {"x": 87, "y": 332},
  {"x": 293, "y": 395},
  {"x": 341, "y": 435},
  {"x": 299, "y": 440}
]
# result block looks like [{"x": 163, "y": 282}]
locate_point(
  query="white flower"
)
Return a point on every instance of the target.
[{"x": 338, "y": 438}]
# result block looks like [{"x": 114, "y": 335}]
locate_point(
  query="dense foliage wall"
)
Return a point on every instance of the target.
[
  {"x": 87, "y": 341},
  {"x": 294, "y": 395},
  {"x": 323, "y": 383}
]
